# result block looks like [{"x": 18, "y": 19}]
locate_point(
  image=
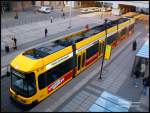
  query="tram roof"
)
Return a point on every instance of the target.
[
  {"x": 144, "y": 51},
  {"x": 46, "y": 50}
]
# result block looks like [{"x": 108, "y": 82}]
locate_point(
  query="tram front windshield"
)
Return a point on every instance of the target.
[{"x": 23, "y": 83}]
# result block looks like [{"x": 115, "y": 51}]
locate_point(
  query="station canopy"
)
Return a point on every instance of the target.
[{"x": 144, "y": 51}]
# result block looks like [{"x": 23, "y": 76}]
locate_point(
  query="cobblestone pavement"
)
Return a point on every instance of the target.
[{"x": 29, "y": 16}]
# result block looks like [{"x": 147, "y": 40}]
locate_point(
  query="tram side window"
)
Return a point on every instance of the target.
[
  {"x": 122, "y": 20},
  {"x": 123, "y": 32},
  {"x": 101, "y": 28},
  {"x": 58, "y": 71},
  {"x": 111, "y": 24},
  {"x": 42, "y": 81},
  {"x": 92, "y": 50},
  {"x": 112, "y": 38}
]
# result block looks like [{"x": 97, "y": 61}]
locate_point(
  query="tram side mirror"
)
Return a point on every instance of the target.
[{"x": 8, "y": 74}]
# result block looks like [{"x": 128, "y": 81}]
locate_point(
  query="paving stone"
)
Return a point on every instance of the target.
[
  {"x": 78, "y": 110},
  {"x": 48, "y": 110},
  {"x": 96, "y": 83},
  {"x": 82, "y": 108},
  {"x": 78, "y": 98},
  {"x": 78, "y": 102},
  {"x": 68, "y": 106},
  {"x": 84, "y": 93},
  {"x": 67, "y": 109},
  {"x": 81, "y": 96},
  {"x": 85, "y": 105},
  {"x": 89, "y": 102},
  {"x": 93, "y": 96},
  {"x": 93, "y": 89},
  {"x": 73, "y": 105}
]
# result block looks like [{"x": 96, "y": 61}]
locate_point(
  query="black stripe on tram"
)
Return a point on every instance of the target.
[{"x": 74, "y": 58}]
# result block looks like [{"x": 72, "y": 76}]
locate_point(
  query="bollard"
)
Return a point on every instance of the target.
[
  {"x": 7, "y": 49},
  {"x": 16, "y": 17}
]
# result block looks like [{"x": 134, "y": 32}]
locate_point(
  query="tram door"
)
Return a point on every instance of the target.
[{"x": 81, "y": 57}]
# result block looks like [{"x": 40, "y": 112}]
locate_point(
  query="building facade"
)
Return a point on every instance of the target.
[
  {"x": 128, "y": 6},
  {"x": 23, "y": 5},
  {"x": 55, "y": 4},
  {"x": 79, "y": 4},
  {"x": 15, "y": 5},
  {"x": 60, "y": 4}
]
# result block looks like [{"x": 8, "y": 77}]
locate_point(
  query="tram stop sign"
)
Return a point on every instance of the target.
[{"x": 107, "y": 52}]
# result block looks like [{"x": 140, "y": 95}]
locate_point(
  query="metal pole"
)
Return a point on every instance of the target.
[
  {"x": 104, "y": 50},
  {"x": 102, "y": 10},
  {"x": 70, "y": 15}
]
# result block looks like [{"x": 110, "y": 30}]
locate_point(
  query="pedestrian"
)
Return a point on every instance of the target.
[
  {"x": 46, "y": 31},
  {"x": 16, "y": 15},
  {"x": 134, "y": 46},
  {"x": 63, "y": 15},
  {"x": 15, "y": 42},
  {"x": 51, "y": 19},
  {"x": 6, "y": 48},
  {"x": 87, "y": 27},
  {"x": 145, "y": 85}
]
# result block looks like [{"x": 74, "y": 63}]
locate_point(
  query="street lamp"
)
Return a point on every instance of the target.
[
  {"x": 102, "y": 9},
  {"x": 70, "y": 15},
  {"x": 104, "y": 49}
]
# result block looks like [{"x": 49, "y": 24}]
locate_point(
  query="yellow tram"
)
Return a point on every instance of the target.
[{"x": 38, "y": 72}]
